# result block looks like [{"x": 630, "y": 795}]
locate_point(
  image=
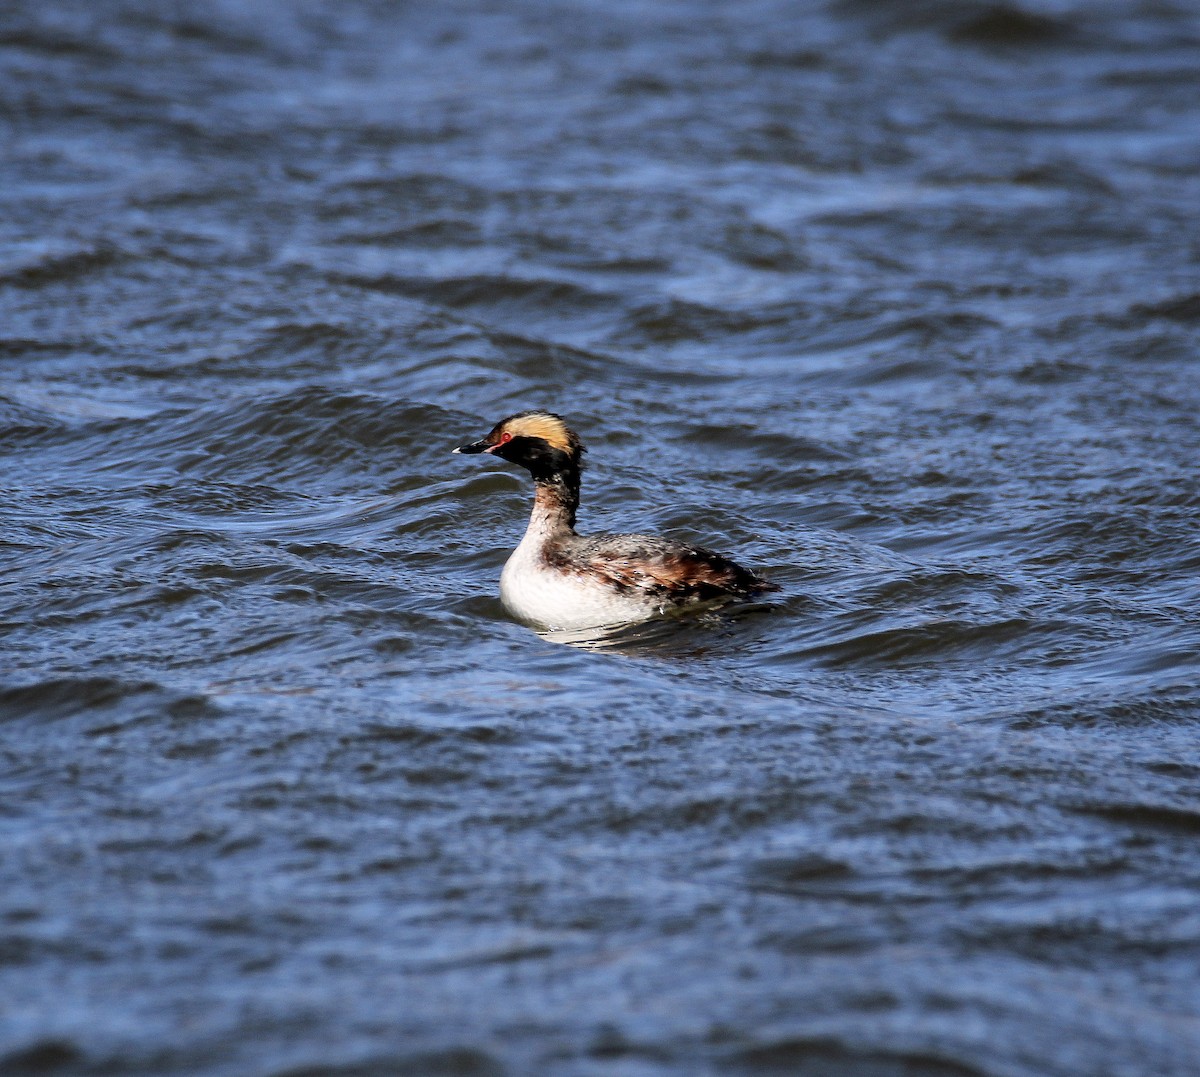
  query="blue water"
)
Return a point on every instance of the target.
[{"x": 897, "y": 303}]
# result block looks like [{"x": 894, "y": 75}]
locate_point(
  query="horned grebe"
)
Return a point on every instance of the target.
[{"x": 557, "y": 579}]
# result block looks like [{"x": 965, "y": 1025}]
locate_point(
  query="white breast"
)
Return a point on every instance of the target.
[{"x": 533, "y": 591}]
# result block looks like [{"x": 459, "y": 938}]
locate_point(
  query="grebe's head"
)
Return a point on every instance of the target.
[{"x": 537, "y": 440}]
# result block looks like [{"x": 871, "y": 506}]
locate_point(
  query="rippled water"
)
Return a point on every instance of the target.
[{"x": 898, "y": 303}]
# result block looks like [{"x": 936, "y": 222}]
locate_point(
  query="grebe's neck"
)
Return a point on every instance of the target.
[{"x": 556, "y": 499}]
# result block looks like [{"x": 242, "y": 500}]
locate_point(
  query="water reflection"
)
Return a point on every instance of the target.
[{"x": 676, "y": 634}]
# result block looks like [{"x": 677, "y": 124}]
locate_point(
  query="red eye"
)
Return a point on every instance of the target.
[{"x": 505, "y": 437}]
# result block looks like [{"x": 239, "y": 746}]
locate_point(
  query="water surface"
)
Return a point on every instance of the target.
[{"x": 898, "y": 303}]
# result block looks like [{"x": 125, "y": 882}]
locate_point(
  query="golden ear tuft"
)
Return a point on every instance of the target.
[{"x": 541, "y": 424}]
